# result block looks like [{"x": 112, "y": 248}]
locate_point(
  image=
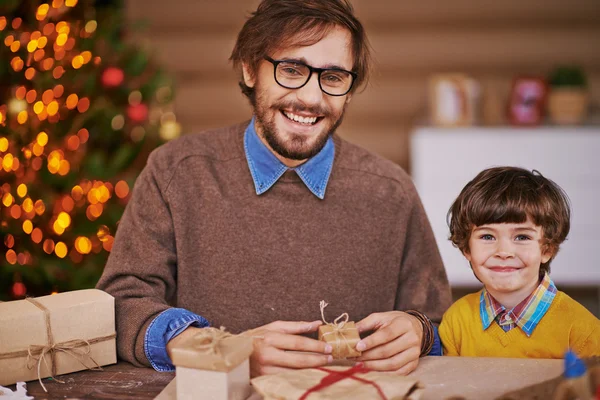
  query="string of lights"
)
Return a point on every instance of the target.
[{"x": 79, "y": 107}]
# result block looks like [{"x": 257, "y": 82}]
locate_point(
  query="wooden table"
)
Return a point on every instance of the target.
[{"x": 443, "y": 377}]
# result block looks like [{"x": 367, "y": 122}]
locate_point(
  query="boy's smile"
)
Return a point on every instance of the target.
[{"x": 506, "y": 258}]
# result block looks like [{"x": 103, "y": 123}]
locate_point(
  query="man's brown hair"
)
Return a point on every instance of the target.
[
  {"x": 511, "y": 195},
  {"x": 282, "y": 23}
]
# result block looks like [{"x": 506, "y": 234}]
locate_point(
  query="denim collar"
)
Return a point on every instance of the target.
[{"x": 266, "y": 169}]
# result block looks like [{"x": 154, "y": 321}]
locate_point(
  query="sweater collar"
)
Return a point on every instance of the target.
[{"x": 266, "y": 169}]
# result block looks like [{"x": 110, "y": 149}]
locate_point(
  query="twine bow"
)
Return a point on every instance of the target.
[
  {"x": 79, "y": 349},
  {"x": 208, "y": 341},
  {"x": 338, "y": 327}
]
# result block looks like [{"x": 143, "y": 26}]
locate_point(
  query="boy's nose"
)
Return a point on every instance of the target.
[{"x": 504, "y": 249}]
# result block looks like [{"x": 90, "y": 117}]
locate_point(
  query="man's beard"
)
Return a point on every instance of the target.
[{"x": 296, "y": 148}]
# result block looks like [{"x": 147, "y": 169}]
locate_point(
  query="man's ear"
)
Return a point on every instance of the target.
[
  {"x": 249, "y": 78},
  {"x": 348, "y": 98}
]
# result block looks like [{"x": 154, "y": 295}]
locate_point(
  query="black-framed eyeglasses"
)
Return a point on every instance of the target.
[{"x": 292, "y": 74}]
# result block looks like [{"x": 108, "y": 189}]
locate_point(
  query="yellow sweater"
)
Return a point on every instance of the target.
[{"x": 566, "y": 325}]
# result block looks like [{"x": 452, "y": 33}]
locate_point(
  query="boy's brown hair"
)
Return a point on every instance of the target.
[
  {"x": 281, "y": 23},
  {"x": 511, "y": 195}
]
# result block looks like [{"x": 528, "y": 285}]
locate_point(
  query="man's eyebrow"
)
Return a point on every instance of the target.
[{"x": 302, "y": 60}]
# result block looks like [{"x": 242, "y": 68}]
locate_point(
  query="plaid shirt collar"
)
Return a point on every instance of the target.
[{"x": 526, "y": 315}]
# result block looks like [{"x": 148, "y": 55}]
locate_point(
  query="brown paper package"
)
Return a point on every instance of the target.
[
  {"x": 82, "y": 314},
  {"x": 294, "y": 384},
  {"x": 230, "y": 352},
  {"x": 343, "y": 340}
]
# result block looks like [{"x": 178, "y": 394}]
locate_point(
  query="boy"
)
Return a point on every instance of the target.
[{"x": 509, "y": 223}]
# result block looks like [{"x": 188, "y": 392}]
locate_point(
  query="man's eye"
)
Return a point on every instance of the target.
[
  {"x": 332, "y": 78},
  {"x": 290, "y": 71}
]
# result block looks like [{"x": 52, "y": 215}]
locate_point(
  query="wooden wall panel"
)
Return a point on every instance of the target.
[
  {"x": 211, "y": 15},
  {"x": 411, "y": 40}
]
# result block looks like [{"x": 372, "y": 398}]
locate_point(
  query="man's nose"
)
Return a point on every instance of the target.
[{"x": 310, "y": 94}]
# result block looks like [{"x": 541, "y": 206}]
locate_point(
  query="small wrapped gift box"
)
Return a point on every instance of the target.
[
  {"x": 213, "y": 365},
  {"x": 57, "y": 334},
  {"x": 342, "y": 339},
  {"x": 342, "y": 335},
  {"x": 339, "y": 383}
]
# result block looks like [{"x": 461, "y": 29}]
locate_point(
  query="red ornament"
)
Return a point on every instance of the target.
[
  {"x": 138, "y": 112},
  {"x": 112, "y": 77}
]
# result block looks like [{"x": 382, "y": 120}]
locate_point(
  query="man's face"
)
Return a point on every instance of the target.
[{"x": 296, "y": 123}]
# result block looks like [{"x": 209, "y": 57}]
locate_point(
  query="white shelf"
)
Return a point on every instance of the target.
[{"x": 443, "y": 160}]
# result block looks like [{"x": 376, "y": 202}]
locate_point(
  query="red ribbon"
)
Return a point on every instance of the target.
[{"x": 336, "y": 376}]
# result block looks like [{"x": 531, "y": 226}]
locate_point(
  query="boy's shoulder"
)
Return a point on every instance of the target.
[
  {"x": 467, "y": 307},
  {"x": 567, "y": 307}
]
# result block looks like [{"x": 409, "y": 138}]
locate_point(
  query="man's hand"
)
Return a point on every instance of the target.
[
  {"x": 278, "y": 347},
  {"x": 395, "y": 345}
]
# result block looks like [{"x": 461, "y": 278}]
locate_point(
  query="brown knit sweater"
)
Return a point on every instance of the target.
[{"x": 195, "y": 235}]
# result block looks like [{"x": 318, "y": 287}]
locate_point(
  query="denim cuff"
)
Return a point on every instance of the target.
[
  {"x": 436, "y": 349},
  {"x": 162, "y": 329}
]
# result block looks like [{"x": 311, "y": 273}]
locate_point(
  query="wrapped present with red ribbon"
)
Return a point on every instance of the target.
[
  {"x": 342, "y": 335},
  {"x": 337, "y": 382}
]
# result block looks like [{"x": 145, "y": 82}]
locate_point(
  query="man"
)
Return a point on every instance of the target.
[{"x": 259, "y": 222}]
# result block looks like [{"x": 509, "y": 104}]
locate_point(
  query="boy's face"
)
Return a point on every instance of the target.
[{"x": 506, "y": 258}]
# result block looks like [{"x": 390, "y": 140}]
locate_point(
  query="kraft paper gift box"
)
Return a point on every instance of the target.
[
  {"x": 343, "y": 339},
  {"x": 339, "y": 383},
  {"x": 342, "y": 335},
  {"x": 56, "y": 334},
  {"x": 213, "y": 365}
]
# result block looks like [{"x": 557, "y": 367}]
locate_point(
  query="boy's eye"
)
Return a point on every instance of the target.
[
  {"x": 486, "y": 236},
  {"x": 522, "y": 237}
]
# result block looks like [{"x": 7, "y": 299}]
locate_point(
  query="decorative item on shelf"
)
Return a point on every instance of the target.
[
  {"x": 337, "y": 382},
  {"x": 214, "y": 363},
  {"x": 342, "y": 335},
  {"x": 527, "y": 100},
  {"x": 57, "y": 334},
  {"x": 453, "y": 100},
  {"x": 493, "y": 104},
  {"x": 569, "y": 96}
]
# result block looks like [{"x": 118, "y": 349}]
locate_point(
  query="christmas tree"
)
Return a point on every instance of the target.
[{"x": 80, "y": 110}]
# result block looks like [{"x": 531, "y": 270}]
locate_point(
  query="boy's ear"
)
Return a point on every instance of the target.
[
  {"x": 249, "y": 78},
  {"x": 546, "y": 256},
  {"x": 467, "y": 255},
  {"x": 547, "y": 253}
]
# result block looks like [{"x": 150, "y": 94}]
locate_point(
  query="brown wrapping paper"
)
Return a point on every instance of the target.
[
  {"x": 213, "y": 349},
  {"x": 322, "y": 384},
  {"x": 76, "y": 332},
  {"x": 343, "y": 340},
  {"x": 342, "y": 335}
]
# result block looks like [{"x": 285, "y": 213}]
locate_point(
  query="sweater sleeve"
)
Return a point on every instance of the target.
[
  {"x": 141, "y": 269},
  {"x": 446, "y": 330},
  {"x": 423, "y": 284}
]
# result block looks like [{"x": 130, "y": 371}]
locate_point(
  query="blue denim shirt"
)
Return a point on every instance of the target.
[{"x": 266, "y": 169}]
